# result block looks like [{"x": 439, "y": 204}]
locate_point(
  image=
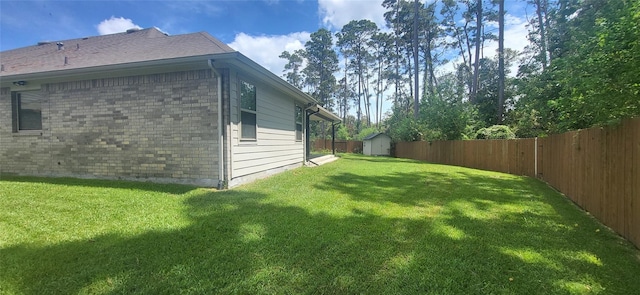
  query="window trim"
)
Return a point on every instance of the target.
[
  {"x": 16, "y": 97},
  {"x": 296, "y": 123},
  {"x": 249, "y": 111}
]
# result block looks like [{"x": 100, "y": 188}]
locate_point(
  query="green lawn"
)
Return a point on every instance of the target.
[{"x": 357, "y": 225}]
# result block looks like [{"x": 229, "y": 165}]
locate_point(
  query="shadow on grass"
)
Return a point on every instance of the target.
[
  {"x": 502, "y": 225},
  {"x": 238, "y": 243},
  {"x": 414, "y": 188},
  {"x": 102, "y": 183}
]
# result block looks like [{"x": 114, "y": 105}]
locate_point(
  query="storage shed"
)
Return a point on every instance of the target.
[{"x": 377, "y": 144}]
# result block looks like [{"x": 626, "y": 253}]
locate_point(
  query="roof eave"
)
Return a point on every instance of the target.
[
  {"x": 105, "y": 69},
  {"x": 234, "y": 58},
  {"x": 320, "y": 113}
]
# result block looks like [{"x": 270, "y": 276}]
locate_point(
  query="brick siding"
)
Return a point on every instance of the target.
[{"x": 160, "y": 127}]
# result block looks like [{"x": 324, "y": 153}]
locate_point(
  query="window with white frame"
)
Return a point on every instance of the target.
[
  {"x": 298, "y": 123},
  {"x": 26, "y": 110},
  {"x": 248, "y": 112}
]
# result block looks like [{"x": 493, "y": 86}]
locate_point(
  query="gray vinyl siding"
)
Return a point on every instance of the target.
[{"x": 275, "y": 145}]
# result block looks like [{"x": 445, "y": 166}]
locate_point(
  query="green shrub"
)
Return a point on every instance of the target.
[
  {"x": 495, "y": 132},
  {"x": 366, "y": 132}
]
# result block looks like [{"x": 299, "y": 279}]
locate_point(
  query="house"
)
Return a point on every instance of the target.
[
  {"x": 376, "y": 144},
  {"x": 143, "y": 105}
]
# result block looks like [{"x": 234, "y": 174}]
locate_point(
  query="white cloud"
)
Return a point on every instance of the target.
[
  {"x": 116, "y": 25},
  {"x": 265, "y": 49},
  {"x": 337, "y": 13}
]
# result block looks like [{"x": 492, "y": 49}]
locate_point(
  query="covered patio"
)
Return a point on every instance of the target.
[{"x": 315, "y": 112}]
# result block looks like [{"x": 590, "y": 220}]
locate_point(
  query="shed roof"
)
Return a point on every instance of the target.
[
  {"x": 121, "y": 48},
  {"x": 374, "y": 135}
]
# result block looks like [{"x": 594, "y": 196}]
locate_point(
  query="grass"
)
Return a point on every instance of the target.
[{"x": 357, "y": 225}]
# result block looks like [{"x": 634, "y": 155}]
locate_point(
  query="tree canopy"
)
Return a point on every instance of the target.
[{"x": 580, "y": 69}]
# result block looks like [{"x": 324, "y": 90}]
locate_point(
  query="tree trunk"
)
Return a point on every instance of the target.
[
  {"x": 365, "y": 94},
  {"x": 430, "y": 68},
  {"x": 397, "y": 59},
  {"x": 476, "y": 64},
  {"x": 541, "y": 30},
  {"x": 425, "y": 73},
  {"x": 500, "y": 60},
  {"x": 416, "y": 96},
  {"x": 379, "y": 92},
  {"x": 359, "y": 121},
  {"x": 464, "y": 56},
  {"x": 469, "y": 66},
  {"x": 346, "y": 92},
  {"x": 411, "y": 80},
  {"x": 546, "y": 27}
]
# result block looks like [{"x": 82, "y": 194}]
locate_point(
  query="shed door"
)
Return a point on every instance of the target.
[
  {"x": 381, "y": 146},
  {"x": 366, "y": 147}
]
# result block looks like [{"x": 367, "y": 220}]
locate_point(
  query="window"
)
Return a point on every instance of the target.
[
  {"x": 248, "y": 114},
  {"x": 298, "y": 123},
  {"x": 27, "y": 110}
]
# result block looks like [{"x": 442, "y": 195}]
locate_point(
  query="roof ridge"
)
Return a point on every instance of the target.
[
  {"x": 146, "y": 31},
  {"x": 154, "y": 32},
  {"x": 101, "y": 50},
  {"x": 215, "y": 41}
]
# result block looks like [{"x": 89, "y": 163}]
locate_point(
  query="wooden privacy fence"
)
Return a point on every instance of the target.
[
  {"x": 597, "y": 168},
  {"x": 514, "y": 156},
  {"x": 342, "y": 146}
]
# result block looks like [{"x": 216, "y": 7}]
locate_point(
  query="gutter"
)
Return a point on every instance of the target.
[
  {"x": 105, "y": 69},
  {"x": 221, "y": 178}
]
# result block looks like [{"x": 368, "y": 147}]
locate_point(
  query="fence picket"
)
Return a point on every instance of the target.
[{"x": 634, "y": 217}]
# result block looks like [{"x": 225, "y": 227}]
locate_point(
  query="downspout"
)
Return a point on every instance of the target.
[
  {"x": 221, "y": 180},
  {"x": 308, "y": 135}
]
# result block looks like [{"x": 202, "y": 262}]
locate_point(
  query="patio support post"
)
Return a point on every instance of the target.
[
  {"x": 333, "y": 138},
  {"x": 308, "y": 133},
  {"x": 307, "y": 138}
]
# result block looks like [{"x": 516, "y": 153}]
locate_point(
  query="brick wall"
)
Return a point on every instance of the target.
[{"x": 160, "y": 127}]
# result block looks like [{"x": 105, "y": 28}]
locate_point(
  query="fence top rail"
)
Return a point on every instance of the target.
[{"x": 468, "y": 140}]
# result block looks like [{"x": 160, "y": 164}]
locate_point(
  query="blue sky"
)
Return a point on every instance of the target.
[
  {"x": 260, "y": 29},
  {"x": 289, "y": 22}
]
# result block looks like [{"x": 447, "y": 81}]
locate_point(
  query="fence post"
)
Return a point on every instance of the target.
[{"x": 535, "y": 158}]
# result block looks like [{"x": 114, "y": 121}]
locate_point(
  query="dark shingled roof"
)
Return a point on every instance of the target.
[
  {"x": 373, "y": 135},
  {"x": 133, "y": 49},
  {"x": 122, "y": 48}
]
